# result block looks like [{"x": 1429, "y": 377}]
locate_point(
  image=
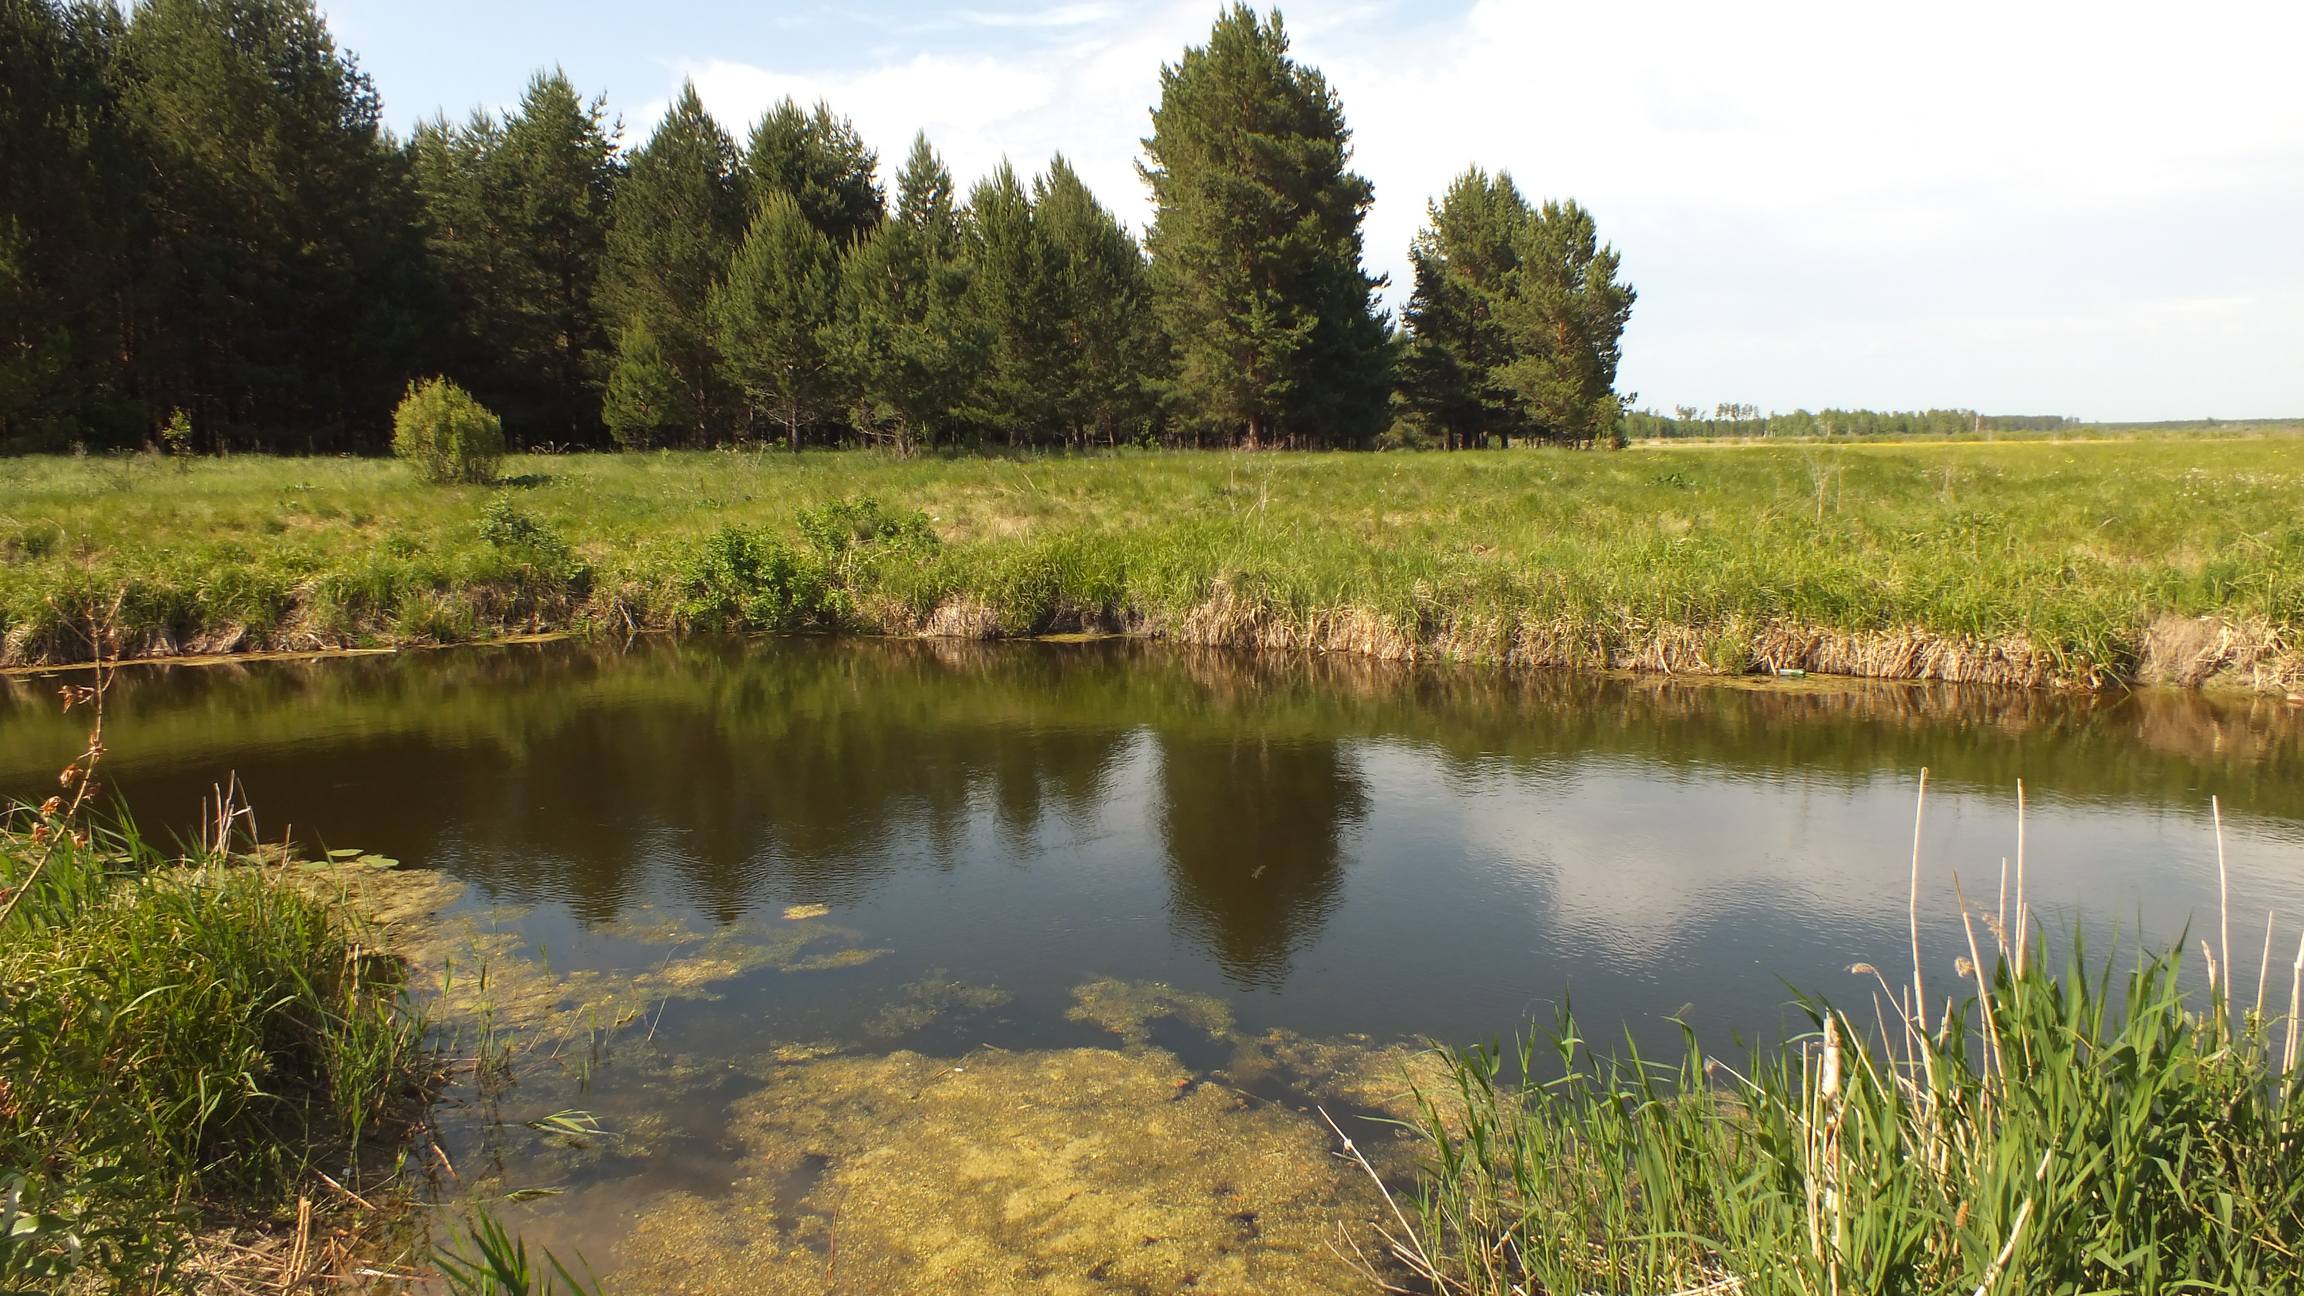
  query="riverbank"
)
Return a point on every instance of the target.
[
  {"x": 212, "y": 1074},
  {"x": 2039, "y": 565}
]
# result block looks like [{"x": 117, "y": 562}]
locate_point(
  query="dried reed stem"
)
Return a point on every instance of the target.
[
  {"x": 1919, "y": 987},
  {"x": 2223, "y": 911},
  {"x": 2023, "y": 924},
  {"x": 2295, "y": 1011},
  {"x": 1992, "y": 1059},
  {"x": 2263, "y": 968}
]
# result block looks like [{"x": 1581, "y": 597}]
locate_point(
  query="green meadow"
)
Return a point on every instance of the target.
[{"x": 2042, "y": 564}]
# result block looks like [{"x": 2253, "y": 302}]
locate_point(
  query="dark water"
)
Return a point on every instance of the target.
[{"x": 1325, "y": 846}]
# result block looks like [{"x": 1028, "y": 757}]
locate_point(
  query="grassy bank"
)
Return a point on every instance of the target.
[
  {"x": 202, "y": 1059},
  {"x": 192, "y": 1051},
  {"x": 2032, "y": 564},
  {"x": 2043, "y": 1130}
]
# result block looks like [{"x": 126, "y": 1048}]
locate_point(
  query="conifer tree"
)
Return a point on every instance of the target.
[
  {"x": 1094, "y": 293},
  {"x": 281, "y": 298},
  {"x": 820, "y": 161},
  {"x": 1564, "y": 326},
  {"x": 1256, "y": 245},
  {"x": 1005, "y": 300},
  {"x": 672, "y": 226},
  {"x": 69, "y": 201},
  {"x": 774, "y": 318},
  {"x": 908, "y": 343},
  {"x": 645, "y": 403},
  {"x": 556, "y": 175},
  {"x": 1466, "y": 262},
  {"x": 455, "y": 170}
]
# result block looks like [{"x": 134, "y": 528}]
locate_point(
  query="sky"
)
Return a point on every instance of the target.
[{"x": 2094, "y": 210}]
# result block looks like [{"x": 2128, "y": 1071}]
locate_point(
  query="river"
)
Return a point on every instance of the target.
[{"x": 1128, "y": 911}]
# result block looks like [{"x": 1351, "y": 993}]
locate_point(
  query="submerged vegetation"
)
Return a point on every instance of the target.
[
  {"x": 2036, "y": 1132},
  {"x": 2034, "y": 564}
]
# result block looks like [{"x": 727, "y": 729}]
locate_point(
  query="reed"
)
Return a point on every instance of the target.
[{"x": 2043, "y": 1129}]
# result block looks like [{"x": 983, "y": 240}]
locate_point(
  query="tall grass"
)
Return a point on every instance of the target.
[
  {"x": 2036, "y": 1130},
  {"x": 2031, "y": 564},
  {"x": 182, "y": 1043}
]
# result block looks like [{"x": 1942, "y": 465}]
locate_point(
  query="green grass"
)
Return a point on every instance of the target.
[
  {"x": 183, "y": 1045},
  {"x": 2025, "y": 563},
  {"x": 2052, "y": 1133}
]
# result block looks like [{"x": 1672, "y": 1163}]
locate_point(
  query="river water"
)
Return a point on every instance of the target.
[{"x": 737, "y": 898}]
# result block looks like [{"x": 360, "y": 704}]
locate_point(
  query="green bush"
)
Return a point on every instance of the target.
[
  {"x": 740, "y": 579},
  {"x": 447, "y": 435},
  {"x": 835, "y": 526}
]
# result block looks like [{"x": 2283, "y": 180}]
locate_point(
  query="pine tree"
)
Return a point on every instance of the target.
[
  {"x": 774, "y": 318},
  {"x": 672, "y": 226},
  {"x": 820, "y": 161},
  {"x": 645, "y": 403},
  {"x": 455, "y": 170},
  {"x": 1564, "y": 324},
  {"x": 1094, "y": 293},
  {"x": 1256, "y": 246},
  {"x": 69, "y": 202},
  {"x": 281, "y": 296},
  {"x": 1005, "y": 300},
  {"x": 1467, "y": 263},
  {"x": 908, "y": 344},
  {"x": 556, "y": 174}
]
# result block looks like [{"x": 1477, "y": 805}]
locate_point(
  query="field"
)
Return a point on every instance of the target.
[{"x": 2042, "y": 564}]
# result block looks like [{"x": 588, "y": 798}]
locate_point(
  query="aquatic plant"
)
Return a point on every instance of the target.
[
  {"x": 487, "y": 1260},
  {"x": 2038, "y": 1130}
]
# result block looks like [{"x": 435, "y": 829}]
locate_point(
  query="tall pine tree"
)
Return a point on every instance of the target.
[
  {"x": 1256, "y": 245},
  {"x": 1564, "y": 326},
  {"x": 774, "y": 319},
  {"x": 1516, "y": 322},
  {"x": 909, "y": 345},
  {"x": 457, "y": 174},
  {"x": 1005, "y": 300},
  {"x": 556, "y": 174},
  {"x": 821, "y": 162},
  {"x": 672, "y": 227},
  {"x": 281, "y": 299},
  {"x": 1095, "y": 298},
  {"x": 69, "y": 205},
  {"x": 1467, "y": 263}
]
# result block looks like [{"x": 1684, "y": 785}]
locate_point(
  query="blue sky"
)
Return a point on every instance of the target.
[{"x": 2089, "y": 209}]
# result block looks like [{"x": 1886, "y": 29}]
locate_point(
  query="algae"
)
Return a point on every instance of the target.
[
  {"x": 1061, "y": 1171},
  {"x": 1128, "y": 1008},
  {"x": 473, "y": 966},
  {"x": 934, "y": 996}
]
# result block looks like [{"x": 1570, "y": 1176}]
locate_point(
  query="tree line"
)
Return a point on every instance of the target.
[
  {"x": 1734, "y": 419},
  {"x": 204, "y": 224}
]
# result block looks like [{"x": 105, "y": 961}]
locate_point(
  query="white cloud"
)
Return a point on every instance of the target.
[
  {"x": 1790, "y": 185},
  {"x": 1063, "y": 15}
]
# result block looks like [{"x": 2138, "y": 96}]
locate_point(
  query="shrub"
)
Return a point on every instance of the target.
[
  {"x": 739, "y": 579},
  {"x": 446, "y": 434},
  {"x": 833, "y": 527}
]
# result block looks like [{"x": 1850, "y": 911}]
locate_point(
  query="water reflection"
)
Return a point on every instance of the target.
[
  {"x": 1255, "y": 830},
  {"x": 1443, "y": 850}
]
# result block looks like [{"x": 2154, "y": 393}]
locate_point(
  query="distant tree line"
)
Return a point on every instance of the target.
[
  {"x": 203, "y": 223},
  {"x": 1730, "y": 419}
]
